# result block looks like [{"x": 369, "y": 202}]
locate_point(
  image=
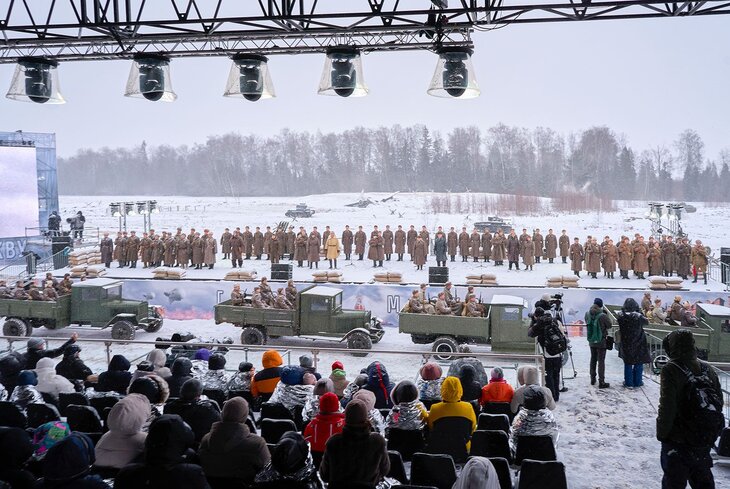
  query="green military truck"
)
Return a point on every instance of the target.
[
  {"x": 318, "y": 314},
  {"x": 712, "y": 334},
  {"x": 96, "y": 302},
  {"x": 503, "y": 326}
]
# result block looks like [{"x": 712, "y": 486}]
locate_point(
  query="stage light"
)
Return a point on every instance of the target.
[
  {"x": 150, "y": 78},
  {"x": 153, "y": 207},
  {"x": 142, "y": 208},
  {"x": 116, "y": 209},
  {"x": 36, "y": 80},
  {"x": 249, "y": 78},
  {"x": 129, "y": 209},
  {"x": 342, "y": 74},
  {"x": 454, "y": 75}
]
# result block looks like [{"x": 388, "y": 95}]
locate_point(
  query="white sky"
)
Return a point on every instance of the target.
[
  {"x": 18, "y": 191},
  {"x": 646, "y": 79}
]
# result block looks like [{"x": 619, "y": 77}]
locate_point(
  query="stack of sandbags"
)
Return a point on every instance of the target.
[
  {"x": 488, "y": 279},
  {"x": 81, "y": 256},
  {"x": 555, "y": 281},
  {"x": 657, "y": 283},
  {"x": 389, "y": 277},
  {"x": 95, "y": 271},
  {"x": 333, "y": 276},
  {"x": 674, "y": 283},
  {"x": 168, "y": 273},
  {"x": 93, "y": 257},
  {"x": 236, "y": 275},
  {"x": 78, "y": 271},
  {"x": 570, "y": 281}
]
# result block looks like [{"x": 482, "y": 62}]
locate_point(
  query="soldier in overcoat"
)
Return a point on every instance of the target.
[
  {"x": 452, "y": 243},
  {"x": 132, "y": 249},
  {"x": 528, "y": 253},
  {"x": 247, "y": 237},
  {"x": 197, "y": 252},
  {"x": 399, "y": 239},
  {"x": 464, "y": 243},
  {"x": 347, "y": 240},
  {"x": 564, "y": 243},
  {"x": 551, "y": 245},
  {"x": 300, "y": 248},
  {"x": 313, "y": 250},
  {"x": 226, "y": 243},
  {"x": 419, "y": 252},
  {"x": 514, "y": 249},
  {"x": 211, "y": 248},
  {"x": 274, "y": 253},
  {"x": 182, "y": 250},
  {"x": 684, "y": 251},
  {"x": 625, "y": 257},
  {"x": 486, "y": 245},
  {"x": 610, "y": 256},
  {"x": 388, "y": 242},
  {"x": 669, "y": 256},
  {"x": 576, "y": 257},
  {"x": 258, "y": 243},
  {"x": 699, "y": 260},
  {"x": 539, "y": 242},
  {"x": 106, "y": 248},
  {"x": 332, "y": 249},
  {"x": 640, "y": 254},
  {"x": 145, "y": 250},
  {"x": 440, "y": 247},
  {"x": 360, "y": 241},
  {"x": 375, "y": 251},
  {"x": 475, "y": 242},
  {"x": 411, "y": 240}
]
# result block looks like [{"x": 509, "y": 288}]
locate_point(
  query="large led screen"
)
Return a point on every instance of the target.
[{"x": 18, "y": 191}]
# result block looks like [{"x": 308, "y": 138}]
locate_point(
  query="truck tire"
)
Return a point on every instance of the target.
[
  {"x": 16, "y": 327},
  {"x": 123, "y": 330},
  {"x": 252, "y": 336},
  {"x": 154, "y": 328},
  {"x": 359, "y": 341},
  {"x": 444, "y": 346}
]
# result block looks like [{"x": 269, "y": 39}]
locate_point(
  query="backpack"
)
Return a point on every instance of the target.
[
  {"x": 554, "y": 341},
  {"x": 595, "y": 334},
  {"x": 704, "y": 420}
]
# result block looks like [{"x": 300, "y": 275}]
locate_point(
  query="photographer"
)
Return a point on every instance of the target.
[{"x": 541, "y": 321}]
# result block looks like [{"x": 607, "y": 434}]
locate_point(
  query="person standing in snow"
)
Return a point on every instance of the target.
[{"x": 598, "y": 325}]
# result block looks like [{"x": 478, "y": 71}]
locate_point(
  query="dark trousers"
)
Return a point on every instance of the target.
[
  {"x": 682, "y": 464},
  {"x": 552, "y": 375},
  {"x": 598, "y": 356}
]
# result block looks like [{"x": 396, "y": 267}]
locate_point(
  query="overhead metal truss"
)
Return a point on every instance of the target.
[{"x": 111, "y": 29}]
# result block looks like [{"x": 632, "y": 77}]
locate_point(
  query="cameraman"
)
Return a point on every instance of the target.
[
  {"x": 544, "y": 302},
  {"x": 553, "y": 363}
]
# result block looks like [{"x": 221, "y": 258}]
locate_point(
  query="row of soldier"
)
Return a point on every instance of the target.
[
  {"x": 153, "y": 250},
  {"x": 50, "y": 289}
]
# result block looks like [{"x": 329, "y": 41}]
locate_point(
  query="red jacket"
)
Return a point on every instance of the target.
[
  {"x": 496, "y": 391},
  {"x": 321, "y": 428}
]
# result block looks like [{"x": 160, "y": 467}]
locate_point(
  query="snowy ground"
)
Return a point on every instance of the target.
[{"x": 219, "y": 213}]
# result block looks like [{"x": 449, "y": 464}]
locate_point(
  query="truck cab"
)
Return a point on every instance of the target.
[
  {"x": 717, "y": 318},
  {"x": 321, "y": 313}
]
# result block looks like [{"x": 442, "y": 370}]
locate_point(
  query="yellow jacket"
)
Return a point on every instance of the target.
[{"x": 452, "y": 404}]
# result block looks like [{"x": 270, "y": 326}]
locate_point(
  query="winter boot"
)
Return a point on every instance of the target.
[
  {"x": 603, "y": 385},
  {"x": 593, "y": 381},
  {"x": 335, "y": 264},
  {"x": 695, "y": 279},
  {"x": 565, "y": 258},
  {"x": 705, "y": 276}
]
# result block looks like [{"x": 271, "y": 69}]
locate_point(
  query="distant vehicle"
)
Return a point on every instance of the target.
[
  {"x": 362, "y": 203},
  {"x": 493, "y": 223},
  {"x": 318, "y": 314},
  {"x": 712, "y": 334},
  {"x": 302, "y": 210},
  {"x": 502, "y": 326},
  {"x": 96, "y": 302}
]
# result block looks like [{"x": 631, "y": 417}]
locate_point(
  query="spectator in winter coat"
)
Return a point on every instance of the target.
[
  {"x": 291, "y": 466},
  {"x": 311, "y": 406},
  {"x": 377, "y": 423},
  {"x": 451, "y": 405},
  {"x": 478, "y": 473},
  {"x": 355, "y": 456},
  {"x": 408, "y": 411},
  {"x": 470, "y": 386},
  {"x": 527, "y": 376},
  {"x": 498, "y": 389},
  {"x": 553, "y": 363},
  {"x": 48, "y": 381},
  {"x": 117, "y": 376},
  {"x": 265, "y": 381},
  {"x": 200, "y": 362},
  {"x": 328, "y": 421},
  {"x": 216, "y": 377},
  {"x": 307, "y": 364},
  {"x": 339, "y": 378},
  {"x": 25, "y": 392},
  {"x": 230, "y": 450},
  {"x": 598, "y": 325},
  {"x": 47, "y": 435},
  {"x": 534, "y": 419},
  {"x": 124, "y": 442},
  {"x": 181, "y": 370},
  {"x": 144, "y": 368},
  {"x": 36, "y": 349},
  {"x": 241, "y": 380},
  {"x": 165, "y": 465},
  {"x": 199, "y": 414},
  {"x": 685, "y": 452},
  {"x": 634, "y": 349},
  {"x": 155, "y": 389},
  {"x": 72, "y": 367},
  {"x": 429, "y": 382},
  {"x": 10, "y": 367},
  {"x": 353, "y": 387},
  {"x": 379, "y": 384},
  {"x": 290, "y": 392},
  {"x": 16, "y": 448},
  {"x": 68, "y": 463},
  {"x": 158, "y": 359}
]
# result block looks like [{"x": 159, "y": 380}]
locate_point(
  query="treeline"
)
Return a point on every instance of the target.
[{"x": 501, "y": 159}]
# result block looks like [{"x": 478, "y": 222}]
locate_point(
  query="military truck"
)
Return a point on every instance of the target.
[
  {"x": 96, "y": 302},
  {"x": 318, "y": 314},
  {"x": 712, "y": 334},
  {"x": 502, "y": 326}
]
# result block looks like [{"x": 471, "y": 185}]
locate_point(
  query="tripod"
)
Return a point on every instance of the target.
[{"x": 557, "y": 312}]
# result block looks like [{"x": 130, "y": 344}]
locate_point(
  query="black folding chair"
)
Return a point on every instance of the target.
[
  {"x": 536, "y": 474},
  {"x": 499, "y": 408},
  {"x": 397, "y": 467},
  {"x": 501, "y": 465},
  {"x": 498, "y": 422},
  {"x": 12, "y": 416},
  {"x": 449, "y": 436},
  {"x": 100, "y": 403},
  {"x": 65, "y": 399},
  {"x": 273, "y": 429},
  {"x": 83, "y": 418},
  {"x": 216, "y": 395},
  {"x": 406, "y": 442},
  {"x": 534, "y": 448},
  {"x": 433, "y": 470},
  {"x": 39, "y": 414},
  {"x": 490, "y": 443}
]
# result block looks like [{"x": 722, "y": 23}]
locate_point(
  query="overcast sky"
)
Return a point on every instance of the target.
[{"x": 646, "y": 79}]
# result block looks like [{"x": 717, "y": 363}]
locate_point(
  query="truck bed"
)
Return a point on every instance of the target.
[
  {"x": 225, "y": 312},
  {"x": 433, "y": 325},
  {"x": 58, "y": 310}
]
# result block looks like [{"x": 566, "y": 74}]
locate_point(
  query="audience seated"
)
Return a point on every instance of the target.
[
  {"x": 290, "y": 391},
  {"x": 311, "y": 406},
  {"x": 68, "y": 463},
  {"x": 451, "y": 405},
  {"x": 181, "y": 369},
  {"x": 16, "y": 448},
  {"x": 377, "y": 422},
  {"x": 25, "y": 392},
  {"x": 354, "y": 386},
  {"x": 528, "y": 375},
  {"x": 429, "y": 382},
  {"x": 144, "y": 368},
  {"x": 200, "y": 362},
  {"x": 230, "y": 450},
  {"x": 154, "y": 388},
  {"x": 408, "y": 411},
  {"x": 328, "y": 421},
  {"x": 72, "y": 367},
  {"x": 124, "y": 442},
  {"x": 339, "y": 378},
  {"x": 265, "y": 381},
  {"x": 379, "y": 384},
  {"x": 478, "y": 473},
  {"x": 471, "y": 387},
  {"x": 357, "y": 455},
  {"x": 158, "y": 359},
  {"x": 199, "y": 413},
  {"x": 49, "y": 382},
  {"x": 47, "y": 435},
  {"x": 534, "y": 418},
  {"x": 241, "y": 380},
  {"x": 165, "y": 464},
  {"x": 498, "y": 389},
  {"x": 291, "y": 466},
  {"x": 10, "y": 367},
  {"x": 117, "y": 376},
  {"x": 307, "y": 364},
  {"x": 216, "y": 377}
]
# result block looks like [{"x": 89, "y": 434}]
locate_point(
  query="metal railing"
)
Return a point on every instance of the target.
[
  {"x": 27, "y": 266},
  {"x": 356, "y": 360},
  {"x": 719, "y": 272}
]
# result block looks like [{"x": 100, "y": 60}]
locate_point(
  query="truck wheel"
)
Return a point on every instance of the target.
[
  {"x": 659, "y": 358},
  {"x": 123, "y": 330},
  {"x": 252, "y": 336},
  {"x": 16, "y": 327},
  {"x": 443, "y": 347},
  {"x": 359, "y": 341},
  {"x": 155, "y": 327}
]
